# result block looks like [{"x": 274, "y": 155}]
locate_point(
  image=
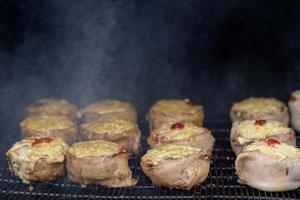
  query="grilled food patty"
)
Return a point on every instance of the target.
[
  {"x": 117, "y": 130},
  {"x": 269, "y": 166},
  {"x": 260, "y": 108},
  {"x": 37, "y": 158},
  {"x": 52, "y": 106},
  {"x": 174, "y": 110},
  {"x": 176, "y": 166},
  {"x": 249, "y": 131},
  {"x": 100, "y": 162},
  {"x": 182, "y": 133},
  {"x": 49, "y": 125}
]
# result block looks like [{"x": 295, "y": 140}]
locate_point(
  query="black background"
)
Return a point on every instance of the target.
[{"x": 213, "y": 52}]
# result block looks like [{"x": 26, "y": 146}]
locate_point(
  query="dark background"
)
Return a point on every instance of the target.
[{"x": 213, "y": 52}]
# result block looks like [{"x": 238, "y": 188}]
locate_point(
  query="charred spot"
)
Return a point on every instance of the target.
[{"x": 293, "y": 98}]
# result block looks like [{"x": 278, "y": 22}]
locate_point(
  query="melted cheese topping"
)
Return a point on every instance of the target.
[
  {"x": 95, "y": 148},
  {"x": 173, "y": 107},
  {"x": 52, "y": 107},
  {"x": 46, "y": 123},
  {"x": 114, "y": 126},
  {"x": 247, "y": 130},
  {"x": 295, "y": 101},
  {"x": 281, "y": 150},
  {"x": 258, "y": 105},
  {"x": 24, "y": 154},
  {"x": 189, "y": 130},
  {"x": 107, "y": 106},
  {"x": 169, "y": 151}
]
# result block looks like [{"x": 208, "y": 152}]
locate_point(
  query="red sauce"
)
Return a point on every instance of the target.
[
  {"x": 260, "y": 122},
  {"x": 272, "y": 142},
  {"x": 293, "y": 98},
  {"x": 41, "y": 140},
  {"x": 122, "y": 150},
  {"x": 177, "y": 125}
]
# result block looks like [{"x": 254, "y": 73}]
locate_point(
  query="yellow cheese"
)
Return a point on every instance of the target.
[
  {"x": 258, "y": 105},
  {"x": 106, "y": 106},
  {"x": 46, "y": 123},
  {"x": 114, "y": 126},
  {"x": 52, "y": 106},
  {"x": 95, "y": 148},
  {"x": 169, "y": 151},
  {"x": 24, "y": 154},
  {"x": 247, "y": 129},
  {"x": 281, "y": 150},
  {"x": 173, "y": 107},
  {"x": 189, "y": 130}
]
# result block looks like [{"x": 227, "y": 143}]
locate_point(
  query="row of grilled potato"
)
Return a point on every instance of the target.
[
  {"x": 180, "y": 147},
  {"x": 267, "y": 156}
]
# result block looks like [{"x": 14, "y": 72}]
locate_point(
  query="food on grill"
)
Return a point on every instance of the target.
[
  {"x": 100, "y": 162},
  {"x": 50, "y": 126},
  {"x": 52, "y": 106},
  {"x": 260, "y": 108},
  {"x": 269, "y": 166},
  {"x": 123, "y": 132},
  {"x": 294, "y": 105},
  {"x": 249, "y": 131},
  {"x": 172, "y": 111},
  {"x": 182, "y": 133},
  {"x": 37, "y": 158},
  {"x": 109, "y": 108},
  {"x": 176, "y": 166}
]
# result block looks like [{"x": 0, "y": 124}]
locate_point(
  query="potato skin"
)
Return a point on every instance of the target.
[
  {"x": 179, "y": 173},
  {"x": 277, "y": 175},
  {"x": 109, "y": 171},
  {"x": 203, "y": 141}
]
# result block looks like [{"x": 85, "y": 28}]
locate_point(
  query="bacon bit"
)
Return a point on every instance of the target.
[
  {"x": 272, "y": 142},
  {"x": 260, "y": 122},
  {"x": 188, "y": 101},
  {"x": 30, "y": 188},
  {"x": 41, "y": 140},
  {"x": 155, "y": 136},
  {"x": 177, "y": 125},
  {"x": 122, "y": 150},
  {"x": 293, "y": 98}
]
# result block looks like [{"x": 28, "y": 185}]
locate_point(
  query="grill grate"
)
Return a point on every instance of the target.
[{"x": 220, "y": 184}]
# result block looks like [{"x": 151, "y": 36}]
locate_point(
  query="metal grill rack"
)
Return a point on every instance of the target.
[{"x": 220, "y": 184}]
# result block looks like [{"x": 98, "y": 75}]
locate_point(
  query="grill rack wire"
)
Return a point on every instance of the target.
[{"x": 220, "y": 184}]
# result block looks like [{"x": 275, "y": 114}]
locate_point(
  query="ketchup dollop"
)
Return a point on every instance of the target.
[
  {"x": 260, "y": 122},
  {"x": 272, "y": 142},
  {"x": 177, "y": 125},
  {"x": 41, "y": 140}
]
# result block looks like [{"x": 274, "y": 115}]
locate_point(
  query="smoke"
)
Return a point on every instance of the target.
[{"x": 213, "y": 53}]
